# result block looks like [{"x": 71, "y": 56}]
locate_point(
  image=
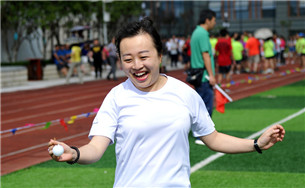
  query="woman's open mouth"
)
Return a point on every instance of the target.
[{"x": 141, "y": 76}]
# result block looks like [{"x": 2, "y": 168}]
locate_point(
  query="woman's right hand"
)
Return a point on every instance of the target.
[{"x": 68, "y": 155}]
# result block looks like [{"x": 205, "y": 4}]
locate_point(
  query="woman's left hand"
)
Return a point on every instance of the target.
[{"x": 271, "y": 136}]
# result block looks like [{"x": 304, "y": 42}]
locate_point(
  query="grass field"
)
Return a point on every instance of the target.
[{"x": 281, "y": 166}]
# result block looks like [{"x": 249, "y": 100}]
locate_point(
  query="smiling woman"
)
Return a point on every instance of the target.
[
  {"x": 141, "y": 62},
  {"x": 139, "y": 49},
  {"x": 149, "y": 117}
]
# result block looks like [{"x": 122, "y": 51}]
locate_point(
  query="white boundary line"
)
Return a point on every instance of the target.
[{"x": 218, "y": 155}]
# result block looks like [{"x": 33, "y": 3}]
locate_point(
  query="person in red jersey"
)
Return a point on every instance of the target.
[{"x": 223, "y": 50}]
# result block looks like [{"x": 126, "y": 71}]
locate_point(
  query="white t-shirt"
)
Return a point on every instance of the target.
[{"x": 151, "y": 132}]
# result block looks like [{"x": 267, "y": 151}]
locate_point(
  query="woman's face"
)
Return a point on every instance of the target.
[{"x": 140, "y": 62}]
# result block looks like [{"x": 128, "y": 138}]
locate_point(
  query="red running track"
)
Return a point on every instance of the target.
[{"x": 28, "y": 147}]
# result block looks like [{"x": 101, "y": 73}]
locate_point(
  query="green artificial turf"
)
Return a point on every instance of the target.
[{"x": 281, "y": 166}]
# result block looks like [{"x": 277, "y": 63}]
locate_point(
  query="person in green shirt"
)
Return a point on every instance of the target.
[
  {"x": 269, "y": 56},
  {"x": 202, "y": 57},
  {"x": 237, "y": 50},
  {"x": 300, "y": 48}
]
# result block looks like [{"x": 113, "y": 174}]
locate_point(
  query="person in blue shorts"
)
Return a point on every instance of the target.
[{"x": 61, "y": 65}]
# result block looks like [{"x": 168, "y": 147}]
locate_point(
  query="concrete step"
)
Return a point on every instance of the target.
[
  {"x": 50, "y": 71},
  {"x": 14, "y": 76}
]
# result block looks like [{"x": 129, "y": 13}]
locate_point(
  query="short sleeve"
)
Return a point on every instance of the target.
[
  {"x": 204, "y": 45},
  {"x": 201, "y": 122},
  {"x": 105, "y": 121}
]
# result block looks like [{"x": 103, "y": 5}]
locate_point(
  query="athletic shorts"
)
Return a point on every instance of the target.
[
  {"x": 238, "y": 62},
  {"x": 186, "y": 58},
  {"x": 61, "y": 66},
  {"x": 224, "y": 69},
  {"x": 254, "y": 59},
  {"x": 269, "y": 57}
]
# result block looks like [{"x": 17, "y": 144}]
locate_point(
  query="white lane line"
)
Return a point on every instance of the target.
[
  {"x": 43, "y": 145},
  {"x": 218, "y": 155}
]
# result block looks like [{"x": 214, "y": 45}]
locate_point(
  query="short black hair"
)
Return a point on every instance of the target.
[
  {"x": 136, "y": 28},
  {"x": 237, "y": 37},
  {"x": 206, "y": 14},
  {"x": 223, "y": 32}
]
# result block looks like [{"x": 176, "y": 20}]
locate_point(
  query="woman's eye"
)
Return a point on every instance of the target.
[
  {"x": 127, "y": 60},
  {"x": 144, "y": 57}
]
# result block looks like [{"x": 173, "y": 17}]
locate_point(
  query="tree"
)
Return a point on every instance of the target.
[
  {"x": 121, "y": 12},
  {"x": 15, "y": 18},
  {"x": 42, "y": 20},
  {"x": 61, "y": 14}
]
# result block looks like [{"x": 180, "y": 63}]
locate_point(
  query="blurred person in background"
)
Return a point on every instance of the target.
[
  {"x": 67, "y": 51},
  {"x": 213, "y": 41},
  {"x": 282, "y": 48},
  {"x": 165, "y": 56},
  {"x": 112, "y": 58},
  {"x": 269, "y": 56},
  {"x": 64, "y": 54},
  {"x": 186, "y": 53},
  {"x": 237, "y": 49},
  {"x": 252, "y": 47},
  {"x": 300, "y": 48},
  {"x": 181, "y": 42},
  {"x": 223, "y": 50},
  {"x": 244, "y": 65},
  {"x": 277, "y": 45},
  {"x": 291, "y": 58},
  {"x": 85, "y": 58},
  {"x": 202, "y": 57},
  {"x": 61, "y": 65},
  {"x": 98, "y": 56},
  {"x": 173, "y": 46},
  {"x": 75, "y": 63}
]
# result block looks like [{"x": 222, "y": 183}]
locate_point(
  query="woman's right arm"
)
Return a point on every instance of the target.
[{"x": 89, "y": 153}]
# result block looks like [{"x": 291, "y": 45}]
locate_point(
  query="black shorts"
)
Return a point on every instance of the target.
[
  {"x": 238, "y": 62},
  {"x": 61, "y": 66},
  {"x": 186, "y": 58},
  {"x": 224, "y": 69},
  {"x": 269, "y": 57}
]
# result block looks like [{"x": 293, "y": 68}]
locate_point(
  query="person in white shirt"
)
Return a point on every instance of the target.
[
  {"x": 174, "y": 47},
  {"x": 149, "y": 117}
]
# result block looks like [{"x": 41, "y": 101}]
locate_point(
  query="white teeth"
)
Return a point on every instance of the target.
[{"x": 140, "y": 74}]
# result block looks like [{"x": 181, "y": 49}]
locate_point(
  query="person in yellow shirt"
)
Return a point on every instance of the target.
[
  {"x": 237, "y": 50},
  {"x": 213, "y": 41},
  {"x": 300, "y": 48},
  {"x": 75, "y": 63}
]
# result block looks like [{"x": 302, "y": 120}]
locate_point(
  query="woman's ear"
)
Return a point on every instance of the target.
[{"x": 161, "y": 56}]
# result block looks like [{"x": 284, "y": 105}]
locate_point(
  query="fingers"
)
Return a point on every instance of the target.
[
  {"x": 274, "y": 134},
  {"x": 51, "y": 145},
  {"x": 53, "y": 142},
  {"x": 278, "y": 132}
]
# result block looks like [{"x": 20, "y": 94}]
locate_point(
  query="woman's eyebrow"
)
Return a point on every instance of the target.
[
  {"x": 128, "y": 54},
  {"x": 144, "y": 51}
]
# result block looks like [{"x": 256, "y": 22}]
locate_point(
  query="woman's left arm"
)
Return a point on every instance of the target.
[{"x": 229, "y": 144}]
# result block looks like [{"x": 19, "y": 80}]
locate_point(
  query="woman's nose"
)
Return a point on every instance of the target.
[{"x": 137, "y": 64}]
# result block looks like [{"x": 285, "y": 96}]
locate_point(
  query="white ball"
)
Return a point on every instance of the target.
[{"x": 58, "y": 150}]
